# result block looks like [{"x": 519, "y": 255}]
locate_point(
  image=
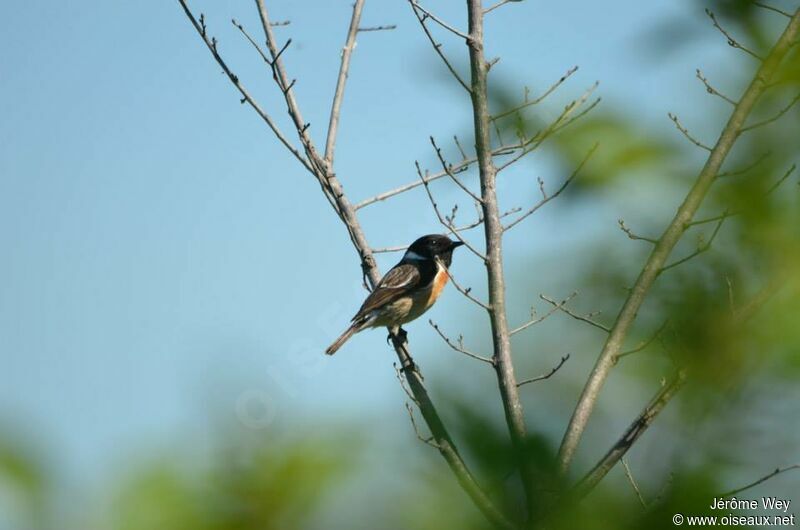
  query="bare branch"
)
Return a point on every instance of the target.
[
  {"x": 711, "y": 90},
  {"x": 463, "y": 165},
  {"x": 459, "y": 346},
  {"x": 538, "y": 99},
  {"x": 777, "y": 471},
  {"x": 582, "y": 318},
  {"x": 747, "y": 168},
  {"x": 443, "y": 219},
  {"x": 341, "y": 81},
  {"x": 548, "y": 375},
  {"x": 252, "y": 41},
  {"x": 466, "y": 292},
  {"x": 384, "y": 250},
  {"x": 399, "y": 374},
  {"x": 460, "y": 149},
  {"x": 439, "y": 21},
  {"x": 211, "y": 43},
  {"x": 782, "y": 179},
  {"x": 547, "y": 198},
  {"x": 387, "y": 27},
  {"x": 461, "y": 228},
  {"x": 774, "y": 118},
  {"x": 685, "y": 132},
  {"x": 633, "y": 236},
  {"x": 498, "y": 4},
  {"x": 534, "y": 320},
  {"x": 530, "y": 145},
  {"x": 429, "y": 440},
  {"x": 702, "y": 247},
  {"x": 448, "y": 170},
  {"x": 731, "y": 41},
  {"x": 770, "y": 8},
  {"x": 436, "y": 46},
  {"x": 646, "y": 343},
  {"x": 633, "y": 483}
]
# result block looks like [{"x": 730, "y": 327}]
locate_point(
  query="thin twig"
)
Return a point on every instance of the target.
[
  {"x": 538, "y": 99},
  {"x": 455, "y": 168},
  {"x": 460, "y": 149},
  {"x": 633, "y": 236},
  {"x": 442, "y": 218},
  {"x": 633, "y": 483},
  {"x": 498, "y": 4},
  {"x": 439, "y": 21},
  {"x": 777, "y": 471},
  {"x": 547, "y": 198},
  {"x": 459, "y": 347},
  {"x": 685, "y": 132},
  {"x": 731, "y": 41},
  {"x": 384, "y": 250},
  {"x": 448, "y": 169},
  {"x": 775, "y": 117},
  {"x": 437, "y": 47},
  {"x": 535, "y": 320},
  {"x": 399, "y": 374},
  {"x": 211, "y": 43},
  {"x": 582, "y": 318},
  {"x": 531, "y": 144},
  {"x": 387, "y": 27},
  {"x": 782, "y": 179},
  {"x": 770, "y": 8},
  {"x": 711, "y": 90},
  {"x": 548, "y": 375},
  {"x": 429, "y": 440},
  {"x": 701, "y": 248},
  {"x": 747, "y": 168},
  {"x": 646, "y": 343},
  {"x": 466, "y": 292},
  {"x": 252, "y": 41}
]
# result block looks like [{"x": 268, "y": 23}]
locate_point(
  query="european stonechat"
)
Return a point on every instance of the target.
[{"x": 408, "y": 290}]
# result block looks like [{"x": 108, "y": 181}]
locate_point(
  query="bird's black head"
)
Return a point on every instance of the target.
[{"x": 431, "y": 247}]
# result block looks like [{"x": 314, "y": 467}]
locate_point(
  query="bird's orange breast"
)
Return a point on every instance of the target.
[{"x": 439, "y": 281}]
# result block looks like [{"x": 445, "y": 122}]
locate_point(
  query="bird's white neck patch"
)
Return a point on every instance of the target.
[{"x": 410, "y": 254}]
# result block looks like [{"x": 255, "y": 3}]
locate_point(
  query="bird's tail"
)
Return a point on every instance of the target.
[{"x": 354, "y": 328}]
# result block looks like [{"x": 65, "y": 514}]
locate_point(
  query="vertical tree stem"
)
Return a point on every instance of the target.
[{"x": 493, "y": 230}]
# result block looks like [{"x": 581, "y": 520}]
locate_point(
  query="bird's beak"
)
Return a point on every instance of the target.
[{"x": 456, "y": 244}]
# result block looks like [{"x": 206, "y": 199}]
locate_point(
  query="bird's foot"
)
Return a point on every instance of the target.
[{"x": 400, "y": 335}]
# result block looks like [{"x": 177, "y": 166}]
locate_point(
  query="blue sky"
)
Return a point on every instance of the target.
[{"x": 161, "y": 251}]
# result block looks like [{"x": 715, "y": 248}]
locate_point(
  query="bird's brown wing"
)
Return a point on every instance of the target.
[{"x": 398, "y": 281}]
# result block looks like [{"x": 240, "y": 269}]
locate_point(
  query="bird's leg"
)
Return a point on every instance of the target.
[
  {"x": 402, "y": 336},
  {"x": 399, "y": 334},
  {"x": 399, "y": 338}
]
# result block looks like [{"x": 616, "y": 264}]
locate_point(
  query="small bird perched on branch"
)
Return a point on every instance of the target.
[{"x": 408, "y": 290}]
